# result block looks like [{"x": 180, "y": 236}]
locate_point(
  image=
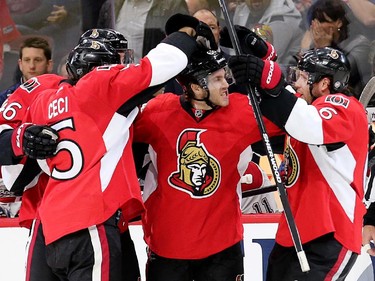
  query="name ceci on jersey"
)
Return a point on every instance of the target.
[{"x": 58, "y": 106}]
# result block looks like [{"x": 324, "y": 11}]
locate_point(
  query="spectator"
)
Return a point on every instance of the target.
[
  {"x": 59, "y": 20},
  {"x": 284, "y": 20},
  {"x": 362, "y": 17},
  {"x": 35, "y": 58},
  {"x": 196, "y": 5},
  {"x": 142, "y": 22},
  {"x": 327, "y": 204},
  {"x": 372, "y": 57},
  {"x": 329, "y": 26},
  {"x": 8, "y": 34},
  {"x": 91, "y": 13}
]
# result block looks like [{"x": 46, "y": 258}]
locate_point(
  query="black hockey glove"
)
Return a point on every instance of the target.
[
  {"x": 204, "y": 35},
  {"x": 264, "y": 74},
  {"x": 34, "y": 141},
  {"x": 250, "y": 43}
]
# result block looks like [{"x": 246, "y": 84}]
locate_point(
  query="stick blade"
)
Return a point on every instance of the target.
[{"x": 367, "y": 92}]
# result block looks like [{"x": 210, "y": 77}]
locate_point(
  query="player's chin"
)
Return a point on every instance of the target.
[{"x": 224, "y": 101}]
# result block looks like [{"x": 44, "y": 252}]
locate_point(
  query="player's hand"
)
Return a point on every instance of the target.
[
  {"x": 264, "y": 74},
  {"x": 34, "y": 141},
  {"x": 368, "y": 235},
  {"x": 250, "y": 43},
  {"x": 203, "y": 33}
]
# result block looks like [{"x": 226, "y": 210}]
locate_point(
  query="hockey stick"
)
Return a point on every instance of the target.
[
  {"x": 270, "y": 155},
  {"x": 367, "y": 92},
  {"x": 258, "y": 191}
]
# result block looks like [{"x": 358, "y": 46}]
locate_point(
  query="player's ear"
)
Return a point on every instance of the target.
[{"x": 197, "y": 90}]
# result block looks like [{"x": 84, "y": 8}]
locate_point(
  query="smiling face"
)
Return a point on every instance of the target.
[
  {"x": 218, "y": 87},
  {"x": 318, "y": 89}
]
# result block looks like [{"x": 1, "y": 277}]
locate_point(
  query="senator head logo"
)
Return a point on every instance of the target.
[{"x": 198, "y": 173}]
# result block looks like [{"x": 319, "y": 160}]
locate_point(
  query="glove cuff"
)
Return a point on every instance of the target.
[
  {"x": 271, "y": 75},
  {"x": 17, "y": 139},
  {"x": 178, "y": 21},
  {"x": 271, "y": 52}
]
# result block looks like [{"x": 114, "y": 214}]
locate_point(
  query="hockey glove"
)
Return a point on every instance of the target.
[
  {"x": 264, "y": 74},
  {"x": 204, "y": 35},
  {"x": 250, "y": 43},
  {"x": 37, "y": 142}
]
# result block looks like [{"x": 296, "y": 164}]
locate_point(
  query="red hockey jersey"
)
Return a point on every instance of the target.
[
  {"x": 193, "y": 208},
  {"x": 93, "y": 173},
  {"x": 13, "y": 112},
  {"x": 326, "y": 177}
]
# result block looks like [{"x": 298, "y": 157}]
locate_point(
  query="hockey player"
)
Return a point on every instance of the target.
[
  {"x": 200, "y": 146},
  {"x": 33, "y": 180},
  {"x": 91, "y": 170},
  {"x": 325, "y": 161}
]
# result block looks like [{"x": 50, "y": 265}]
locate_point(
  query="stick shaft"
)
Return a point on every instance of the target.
[{"x": 270, "y": 155}]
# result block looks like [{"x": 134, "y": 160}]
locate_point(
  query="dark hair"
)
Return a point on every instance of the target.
[
  {"x": 334, "y": 9},
  {"x": 38, "y": 43}
]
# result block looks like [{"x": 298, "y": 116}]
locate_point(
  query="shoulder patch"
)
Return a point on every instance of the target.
[
  {"x": 338, "y": 100},
  {"x": 30, "y": 85}
]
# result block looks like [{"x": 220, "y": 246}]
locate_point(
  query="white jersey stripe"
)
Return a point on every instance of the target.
[
  {"x": 312, "y": 129},
  {"x": 115, "y": 138},
  {"x": 338, "y": 174}
]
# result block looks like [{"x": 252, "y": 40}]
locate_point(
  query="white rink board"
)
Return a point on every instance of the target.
[{"x": 257, "y": 237}]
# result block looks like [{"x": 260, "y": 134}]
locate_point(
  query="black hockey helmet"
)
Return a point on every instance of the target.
[
  {"x": 113, "y": 37},
  {"x": 326, "y": 62},
  {"x": 202, "y": 64},
  {"x": 89, "y": 54},
  {"x": 106, "y": 35}
]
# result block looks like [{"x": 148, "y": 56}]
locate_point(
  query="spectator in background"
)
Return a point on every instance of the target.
[
  {"x": 58, "y": 19},
  {"x": 284, "y": 20},
  {"x": 362, "y": 17},
  {"x": 142, "y": 22},
  {"x": 372, "y": 57},
  {"x": 196, "y": 5},
  {"x": 90, "y": 13},
  {"x": 8, "y": 33},
  {"x": 329, "y": 27},
  {"x": 35, "y": 58}
]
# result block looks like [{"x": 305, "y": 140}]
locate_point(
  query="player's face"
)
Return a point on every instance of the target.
[
  {"x": 34, "y": 63},
  {"x": 301, "y": 85},
  {"x": 218, "y": 87}
]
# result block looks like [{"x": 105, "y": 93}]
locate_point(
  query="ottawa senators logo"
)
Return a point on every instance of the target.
[
  {"x": 289, "y": 168},
  {"x": 30, "y": 84},
  {"x": 94, "y": 34},
  {"x": 198, "y": 172}
]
